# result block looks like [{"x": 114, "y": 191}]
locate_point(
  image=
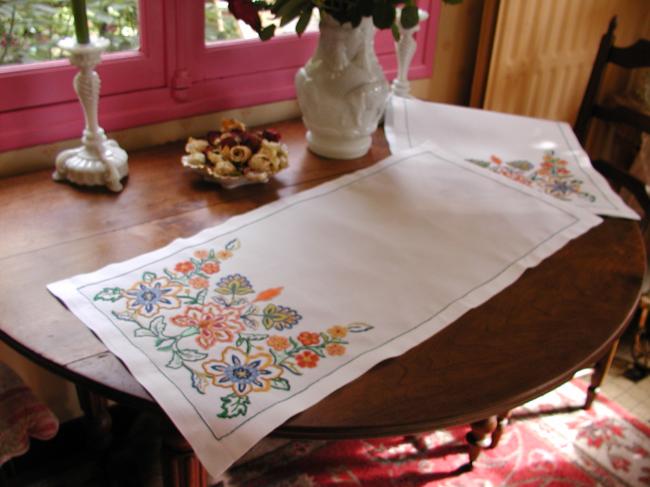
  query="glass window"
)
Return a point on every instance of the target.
[
  {"x": 220, "y": 25},
  {"x": 30, "y": 30}
]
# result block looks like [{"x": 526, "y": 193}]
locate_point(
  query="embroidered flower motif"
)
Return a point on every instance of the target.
[
  {"x": 278, "y": 343},
  {"x": 147, "y": 298},
  {"x": 308, "y": 338},
  {"x": 335, "y": 349},
  {"x": 184, "y": 267},
  {"x": 307, "y": 359},
  {"x": 216, "y": 324},
  {"x": 243, "y": 373},
  {"x": 201, "y": 254},
  {"x": 199, "y": 283},
  {"x": 210, "y": 268},
  {"x": 224, "y": 254},
  {"x": 337, "y": 331},
  {"x": 234, "y": 284}
]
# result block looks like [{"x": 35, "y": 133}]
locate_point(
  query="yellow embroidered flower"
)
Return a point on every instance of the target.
[
  {"x": 335, "y": 349},
  {"x": 337, "y": 331},
  {"x": 278, "y": 343}
]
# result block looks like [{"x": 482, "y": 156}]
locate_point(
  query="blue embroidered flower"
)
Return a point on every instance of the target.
[
  {"x": 146, "y": 298},
  {"x": 243, "y": 373}
]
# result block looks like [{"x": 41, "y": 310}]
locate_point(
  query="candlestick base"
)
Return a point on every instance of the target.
[
  {"x": 99, "y": 161},
  {"x": 98, "y": 164}
]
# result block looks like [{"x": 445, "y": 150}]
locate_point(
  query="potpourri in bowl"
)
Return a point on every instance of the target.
[{"x": 234, "y": 156}]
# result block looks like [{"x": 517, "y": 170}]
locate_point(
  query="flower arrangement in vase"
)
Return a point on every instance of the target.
[{"x": 342, "y": 90}]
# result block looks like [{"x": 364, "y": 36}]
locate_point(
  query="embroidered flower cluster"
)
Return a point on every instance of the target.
[
  {"x": 552, "y": 176},
  {"x": 242, "y": 339},
  {"x": 235, "y": 153}
]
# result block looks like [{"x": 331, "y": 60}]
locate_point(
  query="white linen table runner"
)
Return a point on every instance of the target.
[
  {"x": 247, "y": 323},
  {"x": 542, "y": 154}
]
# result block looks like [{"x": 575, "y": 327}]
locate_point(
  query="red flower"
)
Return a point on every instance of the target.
[
  {"x": 246, "y": 11},
  {"x": 307, "y": 359},
  {"x": 210, "y": 268},
  {"x": 184, "y": 267},
  {"x": 307, "y": 338}
]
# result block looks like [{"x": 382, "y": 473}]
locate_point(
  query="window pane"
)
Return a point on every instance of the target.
[
  {"x": 220, "y": 25},
  {"x": 30, "y": 30}
]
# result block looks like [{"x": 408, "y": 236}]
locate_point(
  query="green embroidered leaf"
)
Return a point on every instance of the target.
[
  {"x": 253, "y": 336},
  {"x": 158, "y": 325},
  {"x": 124, "y": 316},
  {"x": 279, "y": 317},
  {"x": 359, "y": 327},
  {"x": 148, "y": 277},
  {"x": 291, "y": 367},
  {"x": 521, "y": 165},
  {"x": 211, "y": 255},
  {"x": 188, "y": 332},
  {"x": 169, "y": 274},
  {"x": 165, "y": 344},
  {"x": 143, "y": 332},
  {"x": 280, "y": 384},
  {"x": 200, "y": 382},
  {"x": 479, "y": 162},
  {"x": 176, "y": 362},
  {"x": 192, "y": 355},
  {"x": 200, "y": 297},
  {"x": 111, "y": 294},
  {"x": 233, "y": 405},
  {"x": 233, "y": 244}
]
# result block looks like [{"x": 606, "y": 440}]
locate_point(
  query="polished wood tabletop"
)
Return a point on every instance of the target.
[{"x": 557, "y": 318}]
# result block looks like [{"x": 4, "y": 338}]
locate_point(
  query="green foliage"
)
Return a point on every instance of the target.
[{"x": 30, "y": 29}]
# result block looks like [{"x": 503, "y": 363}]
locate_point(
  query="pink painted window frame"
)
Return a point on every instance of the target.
[{"x": 173, "y": 75}]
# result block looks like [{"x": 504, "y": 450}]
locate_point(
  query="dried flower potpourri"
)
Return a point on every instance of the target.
[{"x": 233, "y": 156}]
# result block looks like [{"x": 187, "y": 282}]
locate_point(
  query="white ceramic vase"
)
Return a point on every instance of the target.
[{"x": 342, "y": 90}]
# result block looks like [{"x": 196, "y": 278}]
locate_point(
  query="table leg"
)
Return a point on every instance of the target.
[
  {"x": 502, "y": 422},
  {"x": 97, "y": 418},
  {"x": 180, "y": 466},
  {"x": 480, "y": 438},
  {"x": 600, "y": 370}
]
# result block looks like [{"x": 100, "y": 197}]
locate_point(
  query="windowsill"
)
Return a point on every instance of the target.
[{"x": 42, "y": 156}]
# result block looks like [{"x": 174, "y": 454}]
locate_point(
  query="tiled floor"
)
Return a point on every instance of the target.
[{"x": 633, "y": 396}]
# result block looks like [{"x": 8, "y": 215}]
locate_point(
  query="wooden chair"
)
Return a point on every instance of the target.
[{"x": 635, "y": 56}]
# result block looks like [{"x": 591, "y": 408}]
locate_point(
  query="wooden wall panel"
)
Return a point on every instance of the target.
[{"x": 543, "y": 52}]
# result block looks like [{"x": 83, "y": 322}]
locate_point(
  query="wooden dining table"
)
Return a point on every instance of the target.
[{"x": 559, "y": 317}]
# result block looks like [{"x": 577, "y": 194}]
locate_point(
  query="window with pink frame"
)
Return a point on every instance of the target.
[{"x": 174, "y": 74}]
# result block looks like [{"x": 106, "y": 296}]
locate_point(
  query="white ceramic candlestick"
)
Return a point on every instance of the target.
[
  {"x": 99, "y": 161},
  {"x": 405, "y": 48}
]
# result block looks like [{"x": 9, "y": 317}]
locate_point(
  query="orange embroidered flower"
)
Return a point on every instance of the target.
[
  {"x": 210, "y": 268},
  {"x": 199, "y": 283},
  {"x": 308, "y": 338},
  {"x": 307, "y": 359},
  {"x": 224, "y": 254},
  {"x": 337, "y": 331},
  {"x": 201, "y": 254},
  {"x": 335, "y": 349},
  {"x": 268, "y": 294},
  {"x": 184, "y": 267},
  {"x": 495, "y": 159},
  {"x": 278, "y": 343},
  {"x": 215, "y": 323}
]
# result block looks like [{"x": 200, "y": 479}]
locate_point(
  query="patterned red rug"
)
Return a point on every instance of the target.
[{"x": 549, "y": 442}]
